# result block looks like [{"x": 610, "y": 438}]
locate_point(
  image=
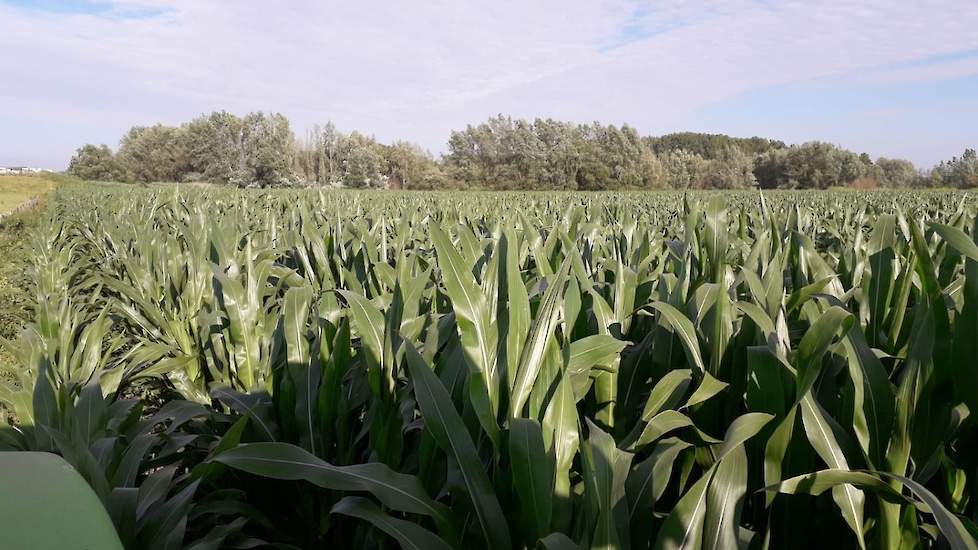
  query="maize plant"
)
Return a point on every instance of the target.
[{"x": 513, "y": 370}]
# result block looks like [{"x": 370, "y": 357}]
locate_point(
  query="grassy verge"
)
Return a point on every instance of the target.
[
  {"x": 15, "y": 231},
  {"x": 14, "y": 277},
  {"x": 17, "y": 190}
]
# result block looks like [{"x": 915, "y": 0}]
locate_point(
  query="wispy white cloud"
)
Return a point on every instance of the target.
[{"x": 418, "y": 69}]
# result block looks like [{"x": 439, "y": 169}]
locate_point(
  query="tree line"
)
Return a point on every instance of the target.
[{"x": 260, "y": 149}]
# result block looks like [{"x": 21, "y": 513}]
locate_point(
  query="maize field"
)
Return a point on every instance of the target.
[{"x": 330, "y": 369}]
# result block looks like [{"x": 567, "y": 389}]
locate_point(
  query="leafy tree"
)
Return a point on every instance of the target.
[
  {"x": 260, "y": 149},
  {"x": 813, "y": 165},
  {"x": 504, "y": 153},
  {"x": 898, "y": 173},
  {"x": 684, "y": 169},
  {"x": 268, "y": 147},
  {"x": 361, "y": 162},
  {"x": 317, "y": 160},
  {"x": 959, "y": 172},
  {"x": 213, "y": 146},
  {"x": 95, "y": 162},
  {"x": 733, "y": 169},
  {"x": 256, "y": 150},
  {"x": 487, "y": 155},
  {"x": 935, "y": 178},
  {"x": 711, "y": 146},
  {"x": 627, "y": 162},
  {"x": 559, "y": 154},
  {"x": 468, "y": 161},
  {"x": 154, "y": 153},
  {"x": 411, "y": 167},
  {"x": 330, "y": 157}
]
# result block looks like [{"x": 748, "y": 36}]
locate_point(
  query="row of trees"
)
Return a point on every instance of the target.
[
  {"x": 220, "y": 147},
  {"x": 330, "y": 157},
  {"x": 545, "y": 154},
  {"x": 503, "y": 153},
  {"x": 960, "y": 172},
  {"x": 260, "y": 149}
]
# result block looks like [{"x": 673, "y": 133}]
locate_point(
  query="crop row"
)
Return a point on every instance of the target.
[{"x": 237, "y": 368}]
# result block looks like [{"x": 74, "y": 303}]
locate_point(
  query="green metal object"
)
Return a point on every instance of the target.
[{"x": 46, "y": 505}]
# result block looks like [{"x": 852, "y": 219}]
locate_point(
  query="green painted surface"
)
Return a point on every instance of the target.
[{"x": 46, "y": 505}]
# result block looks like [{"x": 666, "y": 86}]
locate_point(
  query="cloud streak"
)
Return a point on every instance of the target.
[{"x": 417, "y": 70}]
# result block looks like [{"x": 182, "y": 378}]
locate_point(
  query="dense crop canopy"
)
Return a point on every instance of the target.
[{"x": 511, "y": 370}]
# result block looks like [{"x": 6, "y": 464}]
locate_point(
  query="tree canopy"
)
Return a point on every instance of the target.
[
  {"x": 711, "y": 146},
  {"x": 95, "y": 162},
  {"x": 260, "y": 149}
]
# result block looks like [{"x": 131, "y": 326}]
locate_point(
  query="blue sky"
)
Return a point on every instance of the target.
[
  {"x": 63, "y": 6},
  {"x": 920, "y": 120},
  {"x": 98, "y": 8},
  {"x": 892, "y": 78}
]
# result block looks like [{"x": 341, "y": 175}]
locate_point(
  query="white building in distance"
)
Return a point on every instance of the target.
[{"x": 21, "y": 170}]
